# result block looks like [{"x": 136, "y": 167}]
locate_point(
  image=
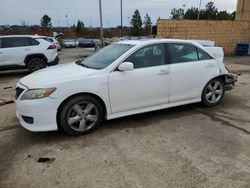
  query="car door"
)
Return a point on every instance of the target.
[
  {"x": 15, "y": 50},
  {"x": 1, "y": 53},
  {"x": 191, "y": 68},
  {"x": 147, "y": 85}
]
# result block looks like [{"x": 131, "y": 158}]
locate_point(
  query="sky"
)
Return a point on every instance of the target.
[{"x": 65, "y": 12}]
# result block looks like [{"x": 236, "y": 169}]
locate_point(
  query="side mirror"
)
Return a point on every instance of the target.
[{"x": 126, "y": 66}]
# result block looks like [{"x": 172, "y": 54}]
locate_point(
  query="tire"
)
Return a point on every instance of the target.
[
  {"x": 80, "y": 115},
  {"x": 213, "y": 92},
  {"x": 36, "y": 64}
]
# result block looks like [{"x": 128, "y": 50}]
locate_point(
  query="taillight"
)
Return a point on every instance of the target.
[{"x": 52, "y": 46}]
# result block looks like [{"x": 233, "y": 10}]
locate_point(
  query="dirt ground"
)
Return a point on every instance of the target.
[{"x": 187, "y": 146}]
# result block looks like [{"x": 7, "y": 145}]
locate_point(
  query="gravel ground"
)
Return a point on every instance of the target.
[{"x": 187, "y": 146}]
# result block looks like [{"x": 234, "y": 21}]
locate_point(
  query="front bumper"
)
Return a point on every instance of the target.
[
  {"x": 42, "y": 122},
  {"x": 230, "y": 80},
  {"x": 37, "y": 115}
]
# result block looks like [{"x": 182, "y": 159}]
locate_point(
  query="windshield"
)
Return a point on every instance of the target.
[{"x": 106, "y": 56}]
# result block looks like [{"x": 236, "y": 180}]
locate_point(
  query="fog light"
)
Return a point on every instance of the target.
[{"x": 28, "y": 120}]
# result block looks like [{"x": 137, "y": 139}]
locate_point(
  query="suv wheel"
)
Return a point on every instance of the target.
[
  {"x": 213, "y": 92},
  {"x": 36, "y": 64},
  {"x": 80, "y": 115}
]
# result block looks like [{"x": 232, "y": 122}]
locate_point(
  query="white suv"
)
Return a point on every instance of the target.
[{"x": 26, "y": 51}]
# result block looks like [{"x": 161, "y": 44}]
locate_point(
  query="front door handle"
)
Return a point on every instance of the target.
[
  {"x": 27, "y": 49},
  {"x": 162, "y": 72},
  {"x": 1, "y": 52}
]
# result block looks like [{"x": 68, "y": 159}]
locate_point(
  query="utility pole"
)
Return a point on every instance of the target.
[
  {"x": 101, "y": 23},
  {"x": 67, "y": 22},
  {"x": 121, "y": 20},
  {"x": 199, "y": 11},
  {"x": 184, "y": 9}
]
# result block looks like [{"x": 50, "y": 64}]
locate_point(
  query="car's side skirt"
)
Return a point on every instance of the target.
[{"x": 152, "y": 108}]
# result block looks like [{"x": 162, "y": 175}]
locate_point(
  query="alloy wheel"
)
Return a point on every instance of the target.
[
  {"x": 82, "y": 116},
  {"x": 214, "y": 91}
]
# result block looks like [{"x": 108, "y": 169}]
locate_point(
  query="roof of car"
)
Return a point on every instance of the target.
[
  {"x": 148, "y": 41},
  {"x": 10, "y": 36}
]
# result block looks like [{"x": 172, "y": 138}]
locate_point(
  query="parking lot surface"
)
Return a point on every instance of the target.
[{"x": 187, "y": 146}]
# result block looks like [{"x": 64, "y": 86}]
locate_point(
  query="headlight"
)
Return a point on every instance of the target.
[{"x": 37, "y": 93}]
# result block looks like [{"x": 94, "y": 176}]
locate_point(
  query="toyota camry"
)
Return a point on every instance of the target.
[{"x": 122, "y": 79}]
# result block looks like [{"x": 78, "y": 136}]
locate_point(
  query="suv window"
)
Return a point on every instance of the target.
[
  {"x": 50, "y": 40},
  {"x": 15, "y": 42},
  {"x": 183, "y": 53},
  {"x": 203, "y": 55},
  {"x": 152, "y": 55},
  {"x": 1, "y": 43},
  {"x": 33, "y": 42}
]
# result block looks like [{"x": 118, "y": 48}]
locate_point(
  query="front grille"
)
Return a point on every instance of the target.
[{"x": 18, "y": 92}]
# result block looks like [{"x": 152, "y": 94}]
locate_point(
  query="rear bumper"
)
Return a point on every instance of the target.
[
  {"x": 55, "y": 62},
  {"x": 230, "y": 80}
]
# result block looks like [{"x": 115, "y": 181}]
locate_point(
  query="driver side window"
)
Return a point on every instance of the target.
[{"x": 152, "y": 55}]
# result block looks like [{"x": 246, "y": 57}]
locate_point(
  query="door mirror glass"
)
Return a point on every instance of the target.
[{"x": 126, "y": 66}]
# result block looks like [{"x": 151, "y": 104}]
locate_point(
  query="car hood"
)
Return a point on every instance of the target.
[{"x": 56, "y": 74}]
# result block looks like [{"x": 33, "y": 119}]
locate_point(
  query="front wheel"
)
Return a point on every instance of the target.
[
  {"x": 81, "y": 115},
  {"x": 213, "y": 92}
]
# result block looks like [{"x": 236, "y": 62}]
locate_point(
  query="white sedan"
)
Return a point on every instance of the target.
[{"x": 122, "y": 79}]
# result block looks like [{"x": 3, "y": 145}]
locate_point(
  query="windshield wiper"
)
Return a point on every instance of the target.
[{"x": 80, "y": 62}]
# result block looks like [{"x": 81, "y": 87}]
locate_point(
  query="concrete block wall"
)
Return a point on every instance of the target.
[
  {"x": 225, "y": 33},
  {"x": 243, "y": 10}
]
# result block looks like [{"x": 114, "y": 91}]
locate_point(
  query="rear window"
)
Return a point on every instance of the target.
[
  {"x": 181, "y": 53},
  {"x": 45, "y": 38},
  {"x": 33, "y": 42},
  {"x": 69, "y": 40},
  {"x": 203, "y": 55},
  {"x": 50, "y": 39}
]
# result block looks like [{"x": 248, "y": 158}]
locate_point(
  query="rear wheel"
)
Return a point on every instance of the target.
[
  {"x": 213, "y": 93},
  {"x": 81, "y": 115},
  {"x": 36, "y": 64}
]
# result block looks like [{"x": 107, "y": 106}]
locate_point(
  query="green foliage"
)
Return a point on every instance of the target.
[
  {"x": 224, "y": 15},
  {"x": 46, "y": 22},
  {"x": 147, "y": 24},
  {"x": 191, "y": 13},
  {"x": 177, "y": 14},
  {"x": 79, "y": 29},
  {"x": 136, "y": 23},
  {"x": 209, "y": 13}
]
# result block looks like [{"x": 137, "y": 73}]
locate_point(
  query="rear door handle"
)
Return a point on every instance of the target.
[
  {"x": 1, "y": 52},
  {"x": 210, "y": 65},
  {"x": 162, "y": 72}
]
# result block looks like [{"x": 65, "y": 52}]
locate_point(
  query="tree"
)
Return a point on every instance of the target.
[
  {"x": 210, "y": 13},
  {"x": 191, "y": 13},
  {"x": 79, "y": 29},
  {"x": 23, "y": 23},
  {"x": 46, "y": 21},
  {"x": 136, "y": 23},
  {"x": 224, "y": 15},
  {"x": 177, "y": 14},
  {"x": 147, "y": 24}
]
